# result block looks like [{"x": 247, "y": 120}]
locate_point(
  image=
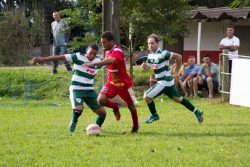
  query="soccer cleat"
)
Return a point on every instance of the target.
[
  {"x": 72, "y": 126},
  {"x": 117, "y": 113},
  {"x": 135, "y": 129},
  {"x": 152, "y": 118},
  {"x": 199, "y": 115}
]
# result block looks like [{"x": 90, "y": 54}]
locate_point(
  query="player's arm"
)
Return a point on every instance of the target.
[
  {"x": 178, "y": 61},
  {"x": 49, "y": 58},
  {"x": 106, "y": 61}
]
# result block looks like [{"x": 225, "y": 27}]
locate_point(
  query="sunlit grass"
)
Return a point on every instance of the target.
[{"x": 36, "y": 134}]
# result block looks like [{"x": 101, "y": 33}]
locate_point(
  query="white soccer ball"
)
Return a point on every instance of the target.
[{"x": 93, "y": 129}]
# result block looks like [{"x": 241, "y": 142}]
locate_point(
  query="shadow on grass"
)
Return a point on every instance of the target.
[
  {"x": 191, "y": 134},
  {"x": 108, "y": 133}
]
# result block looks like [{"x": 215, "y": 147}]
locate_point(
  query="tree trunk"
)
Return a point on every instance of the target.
[
  {"x": 10, "y": 5},
  {"x": 45, "y": 48}
]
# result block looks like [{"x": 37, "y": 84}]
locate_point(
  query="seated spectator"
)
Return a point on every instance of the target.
[
  {"x": 188, "y": 72},
  {"x": 207, "y": 77}
]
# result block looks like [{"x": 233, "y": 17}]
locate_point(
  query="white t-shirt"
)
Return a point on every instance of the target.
[{"x": 231, "y": 41}]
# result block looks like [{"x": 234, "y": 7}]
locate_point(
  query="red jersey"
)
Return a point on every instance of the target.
[{"x": 117, "y": 74}]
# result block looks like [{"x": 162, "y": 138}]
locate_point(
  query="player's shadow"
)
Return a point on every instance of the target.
[{"x": 196, "y": 134}]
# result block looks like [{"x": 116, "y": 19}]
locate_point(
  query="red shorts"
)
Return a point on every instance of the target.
[{"x": 111, "y": 91}]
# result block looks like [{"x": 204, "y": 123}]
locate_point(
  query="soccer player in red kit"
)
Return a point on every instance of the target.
[{"x": 118, "y": 79}]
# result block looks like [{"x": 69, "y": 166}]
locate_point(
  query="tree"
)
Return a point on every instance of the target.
[
  {"x": 19, "y": 15},
  {"x": 85, "y": 21},
  {"x": 240, "y": 3},
  {"x": 166, "y": 18},
  {"x": 210, "y": 3},
  {"x": 18, "y": 35}
]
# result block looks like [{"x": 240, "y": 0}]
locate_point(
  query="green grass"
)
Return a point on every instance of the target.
[{"x": 37, "y": 135}]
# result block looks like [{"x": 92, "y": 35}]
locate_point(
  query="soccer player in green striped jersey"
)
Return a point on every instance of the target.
[
  {"x": 158, "y": 60},
  {"x": 81, "y": 88}
]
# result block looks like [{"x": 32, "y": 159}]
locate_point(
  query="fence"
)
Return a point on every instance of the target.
[{"x": 226, "y": 77}]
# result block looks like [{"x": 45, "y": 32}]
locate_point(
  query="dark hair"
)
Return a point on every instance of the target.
[
  {"x": 206, "y": 55},
  {"x": 108, "y": 35},
  {"x": 230, "y": 26},
  {"x": 191, "y": 56},
  {"x": 93, "y": 46},
  {"x": 155, "y": 37}
]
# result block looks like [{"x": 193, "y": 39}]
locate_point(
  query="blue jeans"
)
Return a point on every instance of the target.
[{"x": 60, "y": 50}]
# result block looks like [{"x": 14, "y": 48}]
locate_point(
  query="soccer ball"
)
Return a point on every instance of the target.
[{"x": 93, "y": 129}]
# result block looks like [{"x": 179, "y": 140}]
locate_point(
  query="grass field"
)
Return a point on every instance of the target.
[{"x": 37, "y": 135}]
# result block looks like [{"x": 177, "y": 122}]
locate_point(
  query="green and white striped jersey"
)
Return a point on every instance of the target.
[
  {"x": 159, "y": 61},
  {"x": 83, "y": 77}
]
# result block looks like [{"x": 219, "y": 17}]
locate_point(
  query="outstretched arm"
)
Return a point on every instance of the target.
[
  {"x": 105, "y": 61},
  {"x": 49, "y": 58}
]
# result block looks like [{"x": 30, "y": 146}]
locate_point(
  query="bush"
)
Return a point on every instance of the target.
[
  {"x": 38, "y": 83},
  {"x": 18, "y": 35}
]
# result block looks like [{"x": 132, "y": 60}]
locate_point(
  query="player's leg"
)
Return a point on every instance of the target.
[
  {"x": 108, "y": 92},
  {"x": 151, "y": 93},
  {"x": 173, "y": 93},
  {"x": 124, "y": 94},
  {"x": 91, "y": 101},
  {"x": 77, "y": 108},
  {"x": 132, "y": 94}
]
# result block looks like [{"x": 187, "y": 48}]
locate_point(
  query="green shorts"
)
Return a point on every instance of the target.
[
  {"x": 77, "y": 97},
  {"x": 157, "y": 89}
]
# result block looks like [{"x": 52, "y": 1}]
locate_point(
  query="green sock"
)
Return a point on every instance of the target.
[
  {"x": 99, "y": 120},
  {"x": 151, "y": 107},
  {"x": 76, "y": 114},
  {"x": 187, "y": 104}
]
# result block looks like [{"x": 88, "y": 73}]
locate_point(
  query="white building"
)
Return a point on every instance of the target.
[{"x": 208, "y": 27}]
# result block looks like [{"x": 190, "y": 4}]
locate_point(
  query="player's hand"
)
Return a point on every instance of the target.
[{"x": 37, "y": 60}]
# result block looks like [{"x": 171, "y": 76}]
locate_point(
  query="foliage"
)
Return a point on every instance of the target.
[
  {"x": 210, "y": 3},
  {"x": 84, "y": 19},
  {"x": 240, "y": 3},
  {"x": 14, "y": 82},
  {"x": 166, "y": 18},
  {"x": 37, "y": 135},
  {"x": 18, "y": 35}
]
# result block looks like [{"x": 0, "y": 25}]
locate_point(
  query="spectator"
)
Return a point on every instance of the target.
[
  {"x": 189, "y": 71},
  {"x": 207, "y": 77},
  {"x": 60, "y": 38},
  {"x": 232, "y": 44}
]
